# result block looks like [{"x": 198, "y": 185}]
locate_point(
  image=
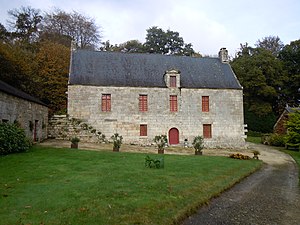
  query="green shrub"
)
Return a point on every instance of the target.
[
  {"x": 198, "y": 143},
  {"x": 251, "y": 133},
  {"x": 117, "y": 141},
  {"x": 154, "y": 162},
  {"x": 12, "y": 139},
  {"x": 161, "y": 141},
  {"x": 277, "y": 140},
  {"x": 293, "y": 127},
  {"x": 263, "y": 124},
  {"x": 75, "y": 140}
]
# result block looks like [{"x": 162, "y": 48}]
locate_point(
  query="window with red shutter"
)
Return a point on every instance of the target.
[
  {"x": 207, "y": 130},
  {"x": 106, "y": 103},
  {"x": 143, "y": 103},
  {"x": 205, "y": 103},
  {"x": 173, "y": 81},
  {"x": 143, "y": 129},
  {"x": 173, "y": 103}
]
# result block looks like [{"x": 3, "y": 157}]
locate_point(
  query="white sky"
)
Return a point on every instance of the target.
[{"x": 207, "y": 24}]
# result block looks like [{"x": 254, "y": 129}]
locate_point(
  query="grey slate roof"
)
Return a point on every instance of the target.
[
  {"x": 6, "y": 88},
  {"x": 147, "y": 70},
  {"x": 292, "y": 109}
]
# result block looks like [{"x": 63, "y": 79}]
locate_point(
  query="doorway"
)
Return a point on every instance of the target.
[{"x": 173, "y": 136}]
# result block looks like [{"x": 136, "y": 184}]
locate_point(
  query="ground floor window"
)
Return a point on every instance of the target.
[
  {"x": 207, "y": 130},
  {"x": 143, "y": 130}
]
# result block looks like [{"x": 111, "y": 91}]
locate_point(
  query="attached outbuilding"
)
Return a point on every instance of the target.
[
  {"x": 19, "y": 107},
  {"x": 279, "y": 127},
  {"x": 140, "y": 96}
]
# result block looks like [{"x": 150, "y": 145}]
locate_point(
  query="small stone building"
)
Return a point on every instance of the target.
[
  {"x": 29, "y": 112},
  {"x": 140, "y": 96},
  {"x": 279, "y": 127}
]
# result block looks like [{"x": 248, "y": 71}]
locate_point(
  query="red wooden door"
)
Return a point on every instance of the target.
[{"x": 173, "y": 136}]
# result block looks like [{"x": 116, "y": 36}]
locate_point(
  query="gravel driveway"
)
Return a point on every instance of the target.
[{"x": 269, "y": 196}]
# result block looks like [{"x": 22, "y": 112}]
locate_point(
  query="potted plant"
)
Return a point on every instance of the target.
[
  {"x": 117, "y": 141},
  {"x": 198, "y": 145},
  {"x": 74, "y": 142},
  {"x": 255, "y": 153},
  {"x": 161, "y": 141}
]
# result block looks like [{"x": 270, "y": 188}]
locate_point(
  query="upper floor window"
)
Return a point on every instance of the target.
[
  {"x": 205, "y": 103},
  {"x": 143, "y": 103},
  {"x": 106, "y": 103},
  {"x": 173, "y": 81},
  {"x": 173, "y": 103}
]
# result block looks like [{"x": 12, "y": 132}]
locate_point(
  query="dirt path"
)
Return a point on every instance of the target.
[{"x": 269, "y": 196}]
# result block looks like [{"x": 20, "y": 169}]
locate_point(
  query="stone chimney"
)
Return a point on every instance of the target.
[{"x": 223, "y": 55}]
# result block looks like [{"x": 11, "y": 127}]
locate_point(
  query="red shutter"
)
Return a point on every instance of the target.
[
  {"x": 143, "y": 103},
  {"x": 173, "y": 103},
  {"x": 143, "y": 130},
  {"x": 205, "y": 103},
  {"x": 207, "y": 130},
  {"x": 172, "y": 81},
  {"x": 106, "y": 102}
]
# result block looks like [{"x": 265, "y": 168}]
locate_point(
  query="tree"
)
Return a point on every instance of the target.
[
  {"x": 290, "y": 56},
  {"x": 161, "y": 42},
  {"x": 108, "y": 47},
  {"x": 262, "y": 75},
  {"x": 175, "y": 43},
  {"x": 52, "y": 74},
  {"x": 132, "y": 46},
  {"x": 3, "y": 33},
  {"x": 293, "y": 128},
  {"x": 270, "y": 43},
  {"x": 17, "y": 67},
  {"x": 82, "y": 30},
  {"x": 156, "y": 41},
  {"x": 25, "y": 23}
]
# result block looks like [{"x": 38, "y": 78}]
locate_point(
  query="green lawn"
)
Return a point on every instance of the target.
[
  {"x": 64, "y": 186},
  {"x": 296, "y": 155},
  {"x": 256, "y": 140}
]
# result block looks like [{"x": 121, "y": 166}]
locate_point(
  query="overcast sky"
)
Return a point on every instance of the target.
[{"x": 207, "y": 24}]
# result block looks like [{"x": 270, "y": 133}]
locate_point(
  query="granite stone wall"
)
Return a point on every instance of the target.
[
  {"x": 32, "y": 117},
  {"x": 62, "y": 127},
  {"x": 225, "y": 114}
]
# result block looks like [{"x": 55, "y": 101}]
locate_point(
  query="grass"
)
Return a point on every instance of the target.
[
  {"x": 296, "y": 157},
  {"x": 256, "y": 140},
  {"x": 64, "y": 186}
]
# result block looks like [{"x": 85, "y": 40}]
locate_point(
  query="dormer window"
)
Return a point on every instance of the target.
[
  {"x": 173, "y": 81},
  {"x": 172, "y": 78}
]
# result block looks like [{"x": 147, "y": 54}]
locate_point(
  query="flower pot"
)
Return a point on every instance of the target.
[
  {"x": 198, "y": 152},
  {"x": 116, "y": 149},
  {"x": 161, "y": 151},
  {"x": 74, "y": 145}
]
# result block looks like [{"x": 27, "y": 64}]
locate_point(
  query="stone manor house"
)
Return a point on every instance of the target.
[{"x": 140, "y": 96}]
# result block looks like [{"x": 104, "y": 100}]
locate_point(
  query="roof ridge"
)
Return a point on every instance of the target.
[{"x": 4, "y": 87}]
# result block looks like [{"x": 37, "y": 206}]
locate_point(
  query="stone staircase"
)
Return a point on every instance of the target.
[{"x": 64, "y": 128}]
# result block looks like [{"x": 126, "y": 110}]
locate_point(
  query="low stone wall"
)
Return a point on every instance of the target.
[{"x": 64, "y": 128}]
